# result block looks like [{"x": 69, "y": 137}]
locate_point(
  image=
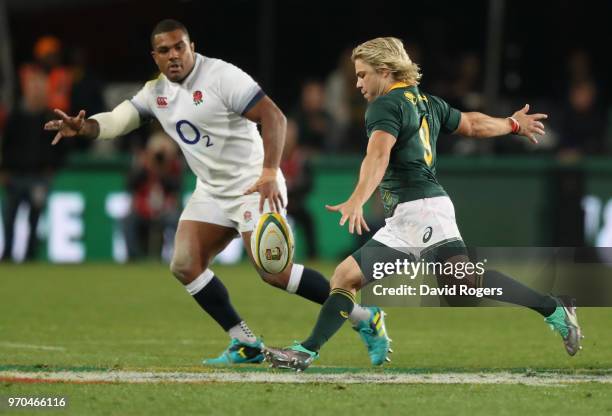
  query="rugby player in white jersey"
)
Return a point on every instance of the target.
[{"x": 211, "y": 109}]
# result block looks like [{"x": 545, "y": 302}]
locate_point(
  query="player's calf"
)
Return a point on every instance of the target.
[
  {"x": 300, "y": 280},
  {"x": 279, "y": 280}
]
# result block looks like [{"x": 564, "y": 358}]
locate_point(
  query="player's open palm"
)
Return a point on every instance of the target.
[
  {"x": 530, "y": 124},
  {"x": 351, "y": 211},
  {"x": 67, "y": 126}
]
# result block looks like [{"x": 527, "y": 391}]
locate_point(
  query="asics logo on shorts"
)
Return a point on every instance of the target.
[{"x": 427, "y": 235}]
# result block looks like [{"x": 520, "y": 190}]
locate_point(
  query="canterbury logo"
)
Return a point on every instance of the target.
[
  {"x": 344, "y": 314},
  {"x": 427, "y": 235}
]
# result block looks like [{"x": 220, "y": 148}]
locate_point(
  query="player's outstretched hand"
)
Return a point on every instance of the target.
[
  {"x": 67, "y": 126},
  {"x": 267, "y": 186},
  {"x": 530, "y": 123},
  {"x": 353, "y": 212}
]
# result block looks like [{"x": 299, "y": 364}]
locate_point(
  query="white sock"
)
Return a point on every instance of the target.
[
  {"x": 359, "y": 314},
  {"x": 200, "y": 282},
  {"x": 242, "y": 332},
  {"x": 294, "y": 278}
]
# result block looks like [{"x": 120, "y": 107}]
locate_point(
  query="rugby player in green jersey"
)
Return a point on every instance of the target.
[{"x": 403, "y": 124}]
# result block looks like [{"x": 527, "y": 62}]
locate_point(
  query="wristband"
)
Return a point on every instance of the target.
[{"x": 514, "y": 125}]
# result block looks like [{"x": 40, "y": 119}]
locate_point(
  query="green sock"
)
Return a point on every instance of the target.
[
  {"x": 518, "y": 294},
  {"x": 334, "y": 312}
]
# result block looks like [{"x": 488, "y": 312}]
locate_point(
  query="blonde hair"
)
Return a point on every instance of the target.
[{"x": 388, "y": 53}]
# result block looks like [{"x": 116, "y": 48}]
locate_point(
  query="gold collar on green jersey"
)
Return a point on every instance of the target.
[{"x": 396, "y": 85}]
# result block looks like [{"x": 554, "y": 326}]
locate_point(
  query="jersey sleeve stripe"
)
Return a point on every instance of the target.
[{"x": 258, "y": 96}]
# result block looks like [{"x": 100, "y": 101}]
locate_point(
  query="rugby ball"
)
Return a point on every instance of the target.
[{"x": 272, "y": 243}]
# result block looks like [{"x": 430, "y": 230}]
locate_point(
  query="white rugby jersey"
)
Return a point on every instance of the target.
[{"x": 204, "y": 115}]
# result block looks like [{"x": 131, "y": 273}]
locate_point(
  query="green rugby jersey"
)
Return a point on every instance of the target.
[{"x": 415, "y": 119}]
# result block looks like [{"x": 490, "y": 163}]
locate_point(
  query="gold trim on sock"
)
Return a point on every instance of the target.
[{"x": 343, "y": 292}]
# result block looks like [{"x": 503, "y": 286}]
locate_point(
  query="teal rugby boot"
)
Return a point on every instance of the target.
[
  {"x": 565, "y": 321},
  {"x": 373, "y": 333},
  {"x": 239, "y": 352}
]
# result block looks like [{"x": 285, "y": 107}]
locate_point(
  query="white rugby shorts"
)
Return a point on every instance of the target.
[
  {"x": 420, "y": 225},
  {"x": 240, "y": 213}
]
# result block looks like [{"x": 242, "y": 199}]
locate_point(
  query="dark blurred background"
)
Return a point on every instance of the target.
[
  {"x": 282, "y": 43},
  {"x": 488, "y": 55},
  {"x": 485, "y": 55}
]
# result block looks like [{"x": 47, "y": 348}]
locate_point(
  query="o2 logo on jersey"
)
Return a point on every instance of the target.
[{"x": 190, "y": 133}]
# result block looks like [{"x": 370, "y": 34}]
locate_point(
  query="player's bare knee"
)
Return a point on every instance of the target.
[
  {"x": 179, "y": 270},
  {"x": 471, "y": 281},
  {"x": 454, "y": 280},
  {"x": 185, "y": 269},
  {"x": 458, "y": 275},
  {"x": 343, "y": 278}
]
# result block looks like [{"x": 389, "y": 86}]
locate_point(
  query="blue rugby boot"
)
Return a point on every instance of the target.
[
  {"x": 239, "y": 352},
  {"x": 374, "y": 335}
]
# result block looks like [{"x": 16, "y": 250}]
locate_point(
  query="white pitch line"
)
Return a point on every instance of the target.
[
  {"x": 31, "y": 346},
  {"x": 540, "y": 379}
]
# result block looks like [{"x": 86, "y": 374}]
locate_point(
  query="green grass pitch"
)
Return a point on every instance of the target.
[{"x": 138, "y": 318}]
